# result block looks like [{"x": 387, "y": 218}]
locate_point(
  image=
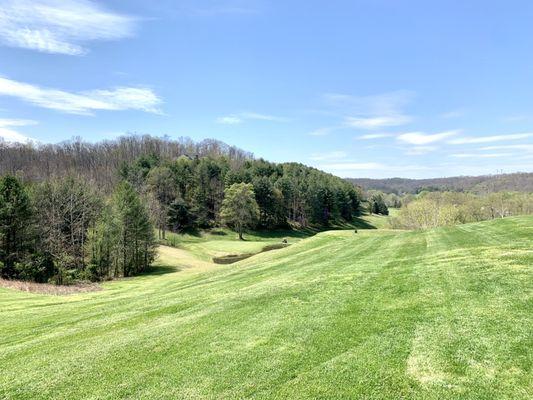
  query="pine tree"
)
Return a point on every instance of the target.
[
  {"x": 15, "y": 224},
  {"x": 378, "y": 206},
  {"x": 103, "y": 246},
  {"x": 135, "y": 242},
  {"x": 179, "y": 216}
]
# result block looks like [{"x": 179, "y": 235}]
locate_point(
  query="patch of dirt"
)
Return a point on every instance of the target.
[{"x": 46, "y": 288}]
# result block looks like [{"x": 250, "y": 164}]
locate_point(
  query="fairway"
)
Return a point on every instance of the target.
[{"x": 381, "y": 314}]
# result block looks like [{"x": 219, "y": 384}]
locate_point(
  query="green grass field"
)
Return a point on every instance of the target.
[{"x": 438, "y": 314}]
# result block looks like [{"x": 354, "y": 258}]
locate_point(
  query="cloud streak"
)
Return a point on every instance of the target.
[
  {"x": 523, "y": 147},
  {"x": 480, "y": 155},
  {"x": 239, "y": 118},
  {"x": 377, "y": 122},
  {"x": 83, "y": 103},
  {"x": 322, "y": 131},
  {"x": 372, "y": 112},
  {"x": 490, "y": 139},
  {"x": 372, "y": 136},
  {"x": 60, "y": 26},
  {"x": 420, "y": 150},
  {"x": 10, "y": 135},
  {"x": 421, "y": 138}
]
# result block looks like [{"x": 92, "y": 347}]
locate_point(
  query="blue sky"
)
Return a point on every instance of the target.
[{"x": 374, "y": 88}]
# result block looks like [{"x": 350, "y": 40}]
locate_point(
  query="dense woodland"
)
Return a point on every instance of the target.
[
  {"x": 79, "y": 211},
  {"x": 99, "y": 162}
]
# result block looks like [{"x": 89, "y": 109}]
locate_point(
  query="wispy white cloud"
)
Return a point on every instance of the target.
[
  {"x": 421, "y": 138},
  {"x": 377, "y": 122},
  {"x": 229, "y": 120},
  {"x": 8, "y": 134},
  {"x": 522, "y": 147},
  {"x": 372, "y": 112},
  {"x": 59, "y": 26},
  {"x": 489, "y": 139},
  {"x": 238, "y": 118},
  {"x": 84, "y": 103},
  {"x": 480, "y": 155},
  {"x": 332, "y": 155},
  {"x": 323, "y": 131},
  {"x": 262, "y": 117},
  {"x": 420, "y": 150},
  {"x": 372, "y": 136}
]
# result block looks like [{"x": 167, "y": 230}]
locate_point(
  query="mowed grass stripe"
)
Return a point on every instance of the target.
[{"x": 429, "y": 314}]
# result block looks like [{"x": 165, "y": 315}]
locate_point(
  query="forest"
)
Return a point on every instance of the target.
[{"x": 90, "y": 211}]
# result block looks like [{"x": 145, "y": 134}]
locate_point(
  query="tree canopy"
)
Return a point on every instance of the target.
[{"x": 239, "y": 208}]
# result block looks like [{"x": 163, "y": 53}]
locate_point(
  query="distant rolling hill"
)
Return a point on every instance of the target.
[{"x": 519, "y": 182}]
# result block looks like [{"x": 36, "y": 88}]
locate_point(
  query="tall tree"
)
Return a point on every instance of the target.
[
  {"x": 270, "y": 202},
  {"x": 103, "y": 246},
  {"x": 66, "y": 210},
  {"x": 162, "y": 187},
  {"x": 136, "y": 242},
  {"x": 179, "y": 216},
  {"x": 15, "y": 223},
  {"x": 239, "y": 208}
]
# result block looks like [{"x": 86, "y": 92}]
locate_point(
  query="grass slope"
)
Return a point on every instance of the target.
[
  {"x": 439, "y": 314},
  {"x": 222, "y": 242}
]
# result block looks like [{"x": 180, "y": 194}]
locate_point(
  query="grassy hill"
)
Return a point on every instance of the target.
[{"x": 439, "y": 314}]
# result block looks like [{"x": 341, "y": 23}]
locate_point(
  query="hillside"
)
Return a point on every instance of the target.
[
  {"x": 436, "y": 314},
  {"x": 519, "y": 182},
  {"x": 100, "y": 162}
]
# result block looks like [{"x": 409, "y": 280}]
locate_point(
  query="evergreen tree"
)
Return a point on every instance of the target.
[
  {"x": 239, "y": 208},
  {"x": 135, "y": 241},
  {"x": 270, "y": 202},
  {"x": 15, "y": 224},
  {"x": 180, "y": 216},
  {"x": 377, "y": 205},
  {"x": 103, "y": 246}
]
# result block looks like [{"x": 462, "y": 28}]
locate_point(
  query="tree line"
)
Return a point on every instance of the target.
[
  {"x": 433, "y": 209},
  {"x": 99, "y": 161},
  {"x": 513, "y": 182},
  {"x": 87, "y": 218},
  {"x": 188, "y": 192},
  {"x": 63, "y": 231}
]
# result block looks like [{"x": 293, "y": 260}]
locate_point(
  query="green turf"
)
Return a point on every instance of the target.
[
  {"x": 222, "y": 242},
  {"x": 439, "y": 314}
]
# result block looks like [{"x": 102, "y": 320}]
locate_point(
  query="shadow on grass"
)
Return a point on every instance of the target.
[
  {"x": 285, "y": 233},
  {"x": 360, "y": 223},
  {"x": 156, "y": 270},
  {"x": 233, "y": 258}
]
